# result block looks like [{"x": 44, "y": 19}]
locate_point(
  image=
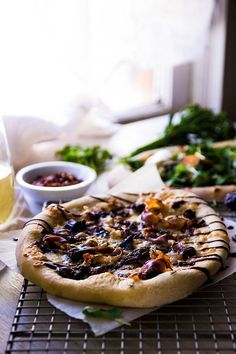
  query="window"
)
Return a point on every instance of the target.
[{"x": 136, "y": 56}]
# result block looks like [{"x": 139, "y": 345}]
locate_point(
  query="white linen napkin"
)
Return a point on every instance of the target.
[{"x": 20, "y": 214}]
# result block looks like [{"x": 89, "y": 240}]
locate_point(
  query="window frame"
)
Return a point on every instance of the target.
[{"x": 200, "y": 81}]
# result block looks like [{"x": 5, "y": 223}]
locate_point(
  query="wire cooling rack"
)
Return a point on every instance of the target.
[{"x": 204, "y": 323}]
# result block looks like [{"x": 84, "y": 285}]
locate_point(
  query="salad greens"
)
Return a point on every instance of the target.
[
  {"x": 200, "y": 165},
  {"x": 94, "y": 156},
  {"x": 112, "y": 314},
  {"x": 195, "y": 121},
  {"x": 132, "y": 162}
]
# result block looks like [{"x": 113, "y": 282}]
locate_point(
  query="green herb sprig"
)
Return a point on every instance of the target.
[
  {"x": 112, "y": 314},
  {"x": 94, "y": 156}
]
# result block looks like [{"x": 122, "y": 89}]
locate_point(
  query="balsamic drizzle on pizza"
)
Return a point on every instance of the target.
[{"x": 137, "y": 240}]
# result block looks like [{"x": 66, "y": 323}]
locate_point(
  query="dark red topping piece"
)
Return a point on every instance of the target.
[
  {"x": 230, "y": 200},
  {"x": 61, "y": 179},
  {"x": 189, "y": 214},
  {"x": 75, "y": 226},
  {"x": 178, "y": 204},
  {"x": 189, "y": 252}
]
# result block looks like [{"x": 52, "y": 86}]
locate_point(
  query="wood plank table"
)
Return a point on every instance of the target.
[{"x": 10, "y": 283}]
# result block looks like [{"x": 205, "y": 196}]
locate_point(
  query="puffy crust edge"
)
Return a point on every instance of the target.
[{"x": 210, "y": 193}]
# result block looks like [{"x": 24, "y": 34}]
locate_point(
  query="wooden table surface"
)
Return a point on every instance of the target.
[
  {"x": 127, "y": 138},
  {"x": 10, "y": 288}
]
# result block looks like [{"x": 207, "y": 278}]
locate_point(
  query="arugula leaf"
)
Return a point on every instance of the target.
[
  {"x": 94, "y": 156},
  {"x": 112, "y": 314},
  {"x": 132, "y": 163},
  {"x": 217, "y": 166}
]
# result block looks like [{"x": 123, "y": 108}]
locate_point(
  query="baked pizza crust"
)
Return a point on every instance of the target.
[
  {"x": 106, "y": 287},
  {"x": 212, "y": 193}
]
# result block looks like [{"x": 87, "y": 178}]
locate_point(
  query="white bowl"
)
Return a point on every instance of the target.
[{"x": 37, "y": 195}]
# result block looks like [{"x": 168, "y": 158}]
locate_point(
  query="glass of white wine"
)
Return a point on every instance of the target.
[{"x": 6, "y": 177}]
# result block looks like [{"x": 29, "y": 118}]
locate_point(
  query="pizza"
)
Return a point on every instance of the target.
[
  {"x": 209, "y": 170},
  {"x": 124, "y": 250}
]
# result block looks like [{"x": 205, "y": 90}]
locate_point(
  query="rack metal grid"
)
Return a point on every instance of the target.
[{"x": 204, "y": 323}]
